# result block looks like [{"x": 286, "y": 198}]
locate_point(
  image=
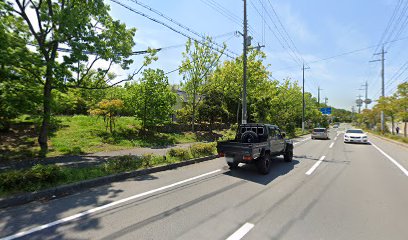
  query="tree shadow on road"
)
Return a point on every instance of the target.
[
  {"x": 249, "y": 172},
  {"x": 25, "y": 217}
]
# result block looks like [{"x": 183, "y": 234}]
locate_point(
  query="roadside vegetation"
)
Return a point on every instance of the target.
[
  {"x": 54, "y": 101},
  {"x": 395, "y": 108},
  {"x": 45, "y": 176}
]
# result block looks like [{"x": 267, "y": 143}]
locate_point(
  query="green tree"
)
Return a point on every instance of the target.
[
  {"x": 109, "y": 110},
  {"x": 211, "y": 108},
  {"x": 199, "y": 61},
  {"x": 84, "y": 28},
  {"x": 19, "y": 75},
  {"x": 152, "y": 99},
  {"x": 402, "y": 103},
  {"x": 390, "y": 107}
]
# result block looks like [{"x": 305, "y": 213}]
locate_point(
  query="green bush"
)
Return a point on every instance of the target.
[
  {"x": 34, "y": 178},
  {"x": 203, "y": 149},
  {"x": 179, "y": 153},
  {"x": 11, "y": 180},
  {"x": 122, "y": 163}
]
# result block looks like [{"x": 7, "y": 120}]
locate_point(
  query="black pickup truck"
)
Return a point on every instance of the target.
[{"x": 256, "y": 143}]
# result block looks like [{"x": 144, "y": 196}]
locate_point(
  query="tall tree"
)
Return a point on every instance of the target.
[
  {"x": 390, "y": 108},
  {"x": 199, "y": 62},
  {"x": 84, "y": 28},
  {"x": 152, "y": 99},
  {"x": 19, "y": 93},
  {"x": 402, "y": 102}
]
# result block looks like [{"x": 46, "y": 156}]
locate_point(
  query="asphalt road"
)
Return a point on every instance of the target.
[{"x": 331, "y": 190}]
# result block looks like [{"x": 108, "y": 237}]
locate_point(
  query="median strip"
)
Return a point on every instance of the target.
[
  {"x": 391, "y": 159},
  {"x": 109, "y": 205},
  {"x": 240, "y": 233},
  {"x": 315, "y": 165}
]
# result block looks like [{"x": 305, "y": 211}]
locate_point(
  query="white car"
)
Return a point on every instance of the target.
[{"x": 355, "y": 135}]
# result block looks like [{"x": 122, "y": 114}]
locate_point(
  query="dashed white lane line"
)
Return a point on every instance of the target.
[
  {"x": 302, "y": 141},
  {"x": 391, "y": 159},
  {"x": 240, "y": 233},
  {"x": 97, "y": 209},
  {"x": 335, "y": 138},
  {"x": 315, "y": 165},
  {"x": 331, "y": 145}
]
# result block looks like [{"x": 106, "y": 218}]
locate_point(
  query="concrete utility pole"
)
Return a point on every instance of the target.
[
  {"x": 382, "y": 83},
  {"x": 359, "y": 103},
  {"x": 303, "y": 97},
  {"x": 318, "y": 96},
  {"x": 366, "y": 93},
  {"x": 244, "y": 92},
  {"x": 326, "y": 100}
]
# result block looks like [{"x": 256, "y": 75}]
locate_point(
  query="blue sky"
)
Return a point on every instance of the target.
[{"x": 317, "y": 28}]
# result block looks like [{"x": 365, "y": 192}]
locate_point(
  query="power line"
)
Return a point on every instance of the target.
[
  {"x": 297, "y": 61},
  {"x": 173, "y": 29}
]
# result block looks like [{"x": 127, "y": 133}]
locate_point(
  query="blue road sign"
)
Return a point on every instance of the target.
[{"x": 326, "y": 110}]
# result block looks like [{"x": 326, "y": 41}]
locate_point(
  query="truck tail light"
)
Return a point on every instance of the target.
[
  {"x": 221, "y": 154},
  {"x": 247, "y": 158}
]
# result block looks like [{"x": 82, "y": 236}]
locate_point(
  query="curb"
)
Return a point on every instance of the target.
[
  {"x": 390, "y": 140},
  {"x": 69, "y": 189}
]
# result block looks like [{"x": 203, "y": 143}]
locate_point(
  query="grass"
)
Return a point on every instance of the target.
[
  {"x": 41, "y": 177},
  {"x": 79, "y": 134},
  {"x": 391, "y": 136}
]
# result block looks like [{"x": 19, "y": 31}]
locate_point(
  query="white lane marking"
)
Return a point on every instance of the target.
[
  {"x": 335, "y": 138},
  {"x": 391, "y": 159},
  {"x": 315, "y": 165},
  {"x": 331, "y": 145},
  {"x": 97, "y": 209},
  {"x": 240, "y": 233},
  {"x": 338, "y": 134},
  {"x": 302, "y": 141}
]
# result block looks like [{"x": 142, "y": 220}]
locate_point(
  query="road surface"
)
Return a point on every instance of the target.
[{"x": 331, "y": 190}]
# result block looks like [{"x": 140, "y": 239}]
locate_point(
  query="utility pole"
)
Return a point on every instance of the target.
[
  {"x": 244, "y": 92},
  {"x": 359, "y": 103},
  {"x": 318, "y": 96},
  {"x": 303, "y": 97},
  {"x": 326, "y": 100},
  {"x": 366, "y": 93},
  {"x": 382, "y": 83}
]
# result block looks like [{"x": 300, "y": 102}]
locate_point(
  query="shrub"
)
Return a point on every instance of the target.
[
  {"x": 203, "y": 149},
  {"x": 31, "y": 179},
  {"x": 122, "y": 163},
  {"x": 11, "y": 180},
  {"x": 179, "y": 153}
]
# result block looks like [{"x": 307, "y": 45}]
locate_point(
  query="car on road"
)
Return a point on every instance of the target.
[
  {"x": 256, "y": 144},
  {"x": 336, "y": 125},
  {"x": 320, "y": 133},
  {"x": 355, "y": 135}
]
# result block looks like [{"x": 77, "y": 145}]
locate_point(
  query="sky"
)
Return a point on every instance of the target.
[{"x": 300, "y": 31}]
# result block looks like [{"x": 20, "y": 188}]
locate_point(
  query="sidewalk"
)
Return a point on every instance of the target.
[{"x": 90, "y": 159}]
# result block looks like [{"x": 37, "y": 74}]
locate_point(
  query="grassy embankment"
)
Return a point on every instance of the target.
[
  {"x": 73, "y": 135},
  {"x": 41, "y": 177}
]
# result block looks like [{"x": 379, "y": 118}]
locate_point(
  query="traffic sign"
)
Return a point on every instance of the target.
[{"x": 326, "y": 110}]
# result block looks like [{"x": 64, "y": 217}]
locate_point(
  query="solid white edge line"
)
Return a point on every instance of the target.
[
  {"x": 97, "y": 209},
  {"x": 391, "y": 159},
  {"x": 331, "y": 145},
  {"x": 240, "y": 233},
  {"x": 315, "y": 165}
]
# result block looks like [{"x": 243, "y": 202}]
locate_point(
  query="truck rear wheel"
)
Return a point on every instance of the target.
[
  {"x": 263, "y": 164},
  {"x": 288, "y": 155},
  {"x": 232, "y": 165}
]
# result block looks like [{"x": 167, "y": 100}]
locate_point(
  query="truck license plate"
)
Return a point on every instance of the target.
[{"x": 229, "y": 159}]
